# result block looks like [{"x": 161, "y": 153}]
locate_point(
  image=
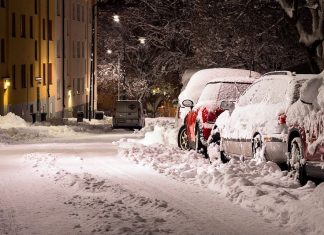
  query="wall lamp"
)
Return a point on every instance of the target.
[{"x": 6, "y": 83}]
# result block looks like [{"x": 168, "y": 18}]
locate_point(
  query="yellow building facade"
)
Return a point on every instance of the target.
[{"x": 42, "y": 69}]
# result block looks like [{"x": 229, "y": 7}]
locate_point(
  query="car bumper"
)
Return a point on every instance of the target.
[{"x": 276, "y": 148}]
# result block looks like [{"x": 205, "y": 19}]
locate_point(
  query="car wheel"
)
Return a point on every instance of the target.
[
  {"x": 182, "y": 139},
  {"x": 257, "y": 147},
  {"x": 295, "y": 161},
  {"x": 199, "y": 147}
]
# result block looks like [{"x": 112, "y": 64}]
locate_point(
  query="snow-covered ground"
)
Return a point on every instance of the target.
[{"x": 89, "y": 179}]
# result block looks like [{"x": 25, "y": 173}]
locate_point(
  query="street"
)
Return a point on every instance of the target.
[{"x": 83, "y": 186}]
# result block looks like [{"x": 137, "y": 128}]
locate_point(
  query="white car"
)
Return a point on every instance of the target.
[{"x": 256, "y": 125}]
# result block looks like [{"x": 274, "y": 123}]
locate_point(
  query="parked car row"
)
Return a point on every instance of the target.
[{"x": 278, "y": 117}]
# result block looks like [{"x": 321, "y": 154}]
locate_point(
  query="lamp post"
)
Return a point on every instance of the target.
[{"x": 92, "y": 56}]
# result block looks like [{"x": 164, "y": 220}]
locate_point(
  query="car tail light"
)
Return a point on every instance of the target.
[
  {"x": 211, "y": 117},
  {"x": 282, "y": 118}
]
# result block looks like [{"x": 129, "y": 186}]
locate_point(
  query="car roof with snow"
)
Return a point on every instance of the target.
[
  {"x": 199, "y": 80},
  {"x": 287, "y": 75},
  {"x": 234, "y": 79}
]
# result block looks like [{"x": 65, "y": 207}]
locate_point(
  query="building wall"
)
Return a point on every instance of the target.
[
  {"x": 34, "y": 56},
  {"x": 77, "y": 43}
]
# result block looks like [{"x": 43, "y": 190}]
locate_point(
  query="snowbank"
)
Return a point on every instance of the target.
[
  {"x": 14, "y": 129},
  {"x": 261, "y": 187},
  {"x": 11, "y": 120}
]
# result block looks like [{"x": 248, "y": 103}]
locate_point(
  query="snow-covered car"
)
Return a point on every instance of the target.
[
  {"x": 306, "y": 132},
  {"x": 193, "y": 90},
  {"x": 200, "y": 120},
  {"x": 256, "y": 126}
]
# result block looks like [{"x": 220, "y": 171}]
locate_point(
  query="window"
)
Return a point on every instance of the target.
[
  {"x": 44, "y": 30},
  {"x": 73, "y": 50},
  {"x": 2, "y": 4},
  {"x": 58, "y": 7},
  {"x": 82, "y": 13},
  {"x": 31, "y": 27},
  {"x": 14, "y": 76},
  {"x": 44, "y": 74},
  {"x": 31, "y": 75},
  {"x": 50, "y": 35},
  {"x": 23, "y": 76},
  {"x": 49, "y": 71},
  {"x": 58, "y": 49},
  {"x": 58, "y": 89},
  {"x": 23, "y": 26},
  {"x": 82, "y": 49},
  {"x": 36, "y": 50},
  {"x": 78, "y": 49},
  {"x": 2, "y": 50},
  {"x": 36, "y": 6},
  {"x": 78, "y": 12},
  {"x": 13, "y": 25},
  {"x": 73, "y": 11}
]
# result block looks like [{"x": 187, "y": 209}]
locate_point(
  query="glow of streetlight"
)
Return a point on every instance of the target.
[
  {"x": 109, "y": 51},
  {"x": 142, "y": 40},
  {"x": 116, "y": 18}
]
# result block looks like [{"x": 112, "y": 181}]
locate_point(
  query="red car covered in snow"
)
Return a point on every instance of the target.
[
  {"x": 306, "y": 132},
  {"x": 200, "y": 120}
]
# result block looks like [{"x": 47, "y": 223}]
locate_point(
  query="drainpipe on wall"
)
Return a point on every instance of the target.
[
  {"x": 63, "y": 57},
  {"x": 48, "y": 55}
]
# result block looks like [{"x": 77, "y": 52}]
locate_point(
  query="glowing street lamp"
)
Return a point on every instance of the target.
[
  {"x": 142, "y": 40},
  {"x": 109, "y": 51},
  {"x": 116, "y": 18}
]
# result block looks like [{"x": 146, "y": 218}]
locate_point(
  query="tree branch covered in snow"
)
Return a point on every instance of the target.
[{"x": 307, "y": 15}]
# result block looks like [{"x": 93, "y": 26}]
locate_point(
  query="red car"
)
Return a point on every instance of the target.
[
  {"x": 200, "y": 120},
  {"x": 306, "y": 132}
]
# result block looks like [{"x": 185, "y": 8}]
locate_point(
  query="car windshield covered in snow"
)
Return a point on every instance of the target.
[
  {"x": 269, "y": 91},
  {"x": 222, "y": 91}
]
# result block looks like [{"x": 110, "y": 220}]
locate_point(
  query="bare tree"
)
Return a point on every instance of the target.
[{"x": 307, "y": 16}]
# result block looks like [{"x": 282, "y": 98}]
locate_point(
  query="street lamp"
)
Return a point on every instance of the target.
[
  {"x": 116, "y": 18},
  {"x": 142, "y": 40}
]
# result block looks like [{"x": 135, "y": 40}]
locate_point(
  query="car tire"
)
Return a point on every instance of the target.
[
  {"x": 182, "y": 138},
  {"x": 199, "y": 147},
  {"x": 295, "y": 161}
]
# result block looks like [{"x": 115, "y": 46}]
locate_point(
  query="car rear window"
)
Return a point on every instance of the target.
[
  {"x": 222, "y": 91},
  {"x": 270, "y": 91}
]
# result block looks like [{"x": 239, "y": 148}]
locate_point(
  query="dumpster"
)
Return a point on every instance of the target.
[
  {"x": 99, "y": 115},
  {"x": 33, "y": 117},
  {"x": 80, "y": 116},
  {"x": 43, "y": 117}
]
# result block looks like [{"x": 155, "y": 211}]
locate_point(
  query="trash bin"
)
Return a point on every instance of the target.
[
  {"x": 33, "y": 117},
  {"x": 99, "y": 115},
  {"x": 43, "y": 117},
  {"x": 80, "y": 116}
]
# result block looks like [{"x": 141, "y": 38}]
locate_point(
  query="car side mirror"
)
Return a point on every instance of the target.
[
  {"x": 188, "y": 103},
  {"x": 227, "y": 105}
]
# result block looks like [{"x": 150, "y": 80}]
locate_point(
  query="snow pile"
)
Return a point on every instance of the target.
[
  {"x": 12, "y": 121},
  {"x": 157, "y": 131},
  {"x": 14, "y": 129},
  {"x": 259, "y": 186}
]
